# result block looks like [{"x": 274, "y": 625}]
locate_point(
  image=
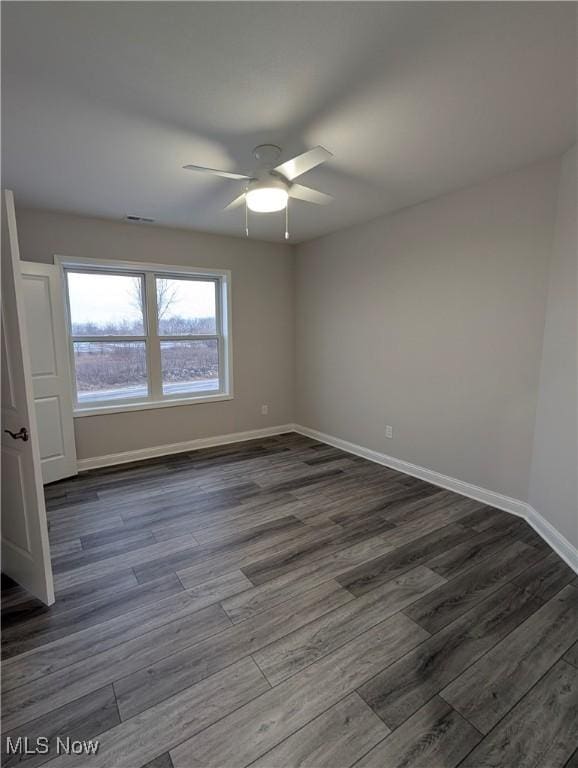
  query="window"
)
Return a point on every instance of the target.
[{"x": 142, "y": 336}]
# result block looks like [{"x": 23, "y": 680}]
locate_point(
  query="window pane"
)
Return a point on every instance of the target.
[
  {"x": 105, "y": 305},
  {"x": 110, "y": 370},
  {"x": 189, "y": 366},
  {"x": 186, "y": 306}
]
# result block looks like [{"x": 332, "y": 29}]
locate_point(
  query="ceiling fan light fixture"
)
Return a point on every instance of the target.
[{"x": 267, "y": 199}]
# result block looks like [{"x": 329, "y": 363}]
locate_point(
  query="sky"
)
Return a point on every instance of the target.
[{"x": 102, "y": 299}]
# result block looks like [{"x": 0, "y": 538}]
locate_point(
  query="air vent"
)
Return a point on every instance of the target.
[{"x": 140, "y": 219}]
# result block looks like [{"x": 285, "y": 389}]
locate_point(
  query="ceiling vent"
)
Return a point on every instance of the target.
[{"x": 139, "y": 219}]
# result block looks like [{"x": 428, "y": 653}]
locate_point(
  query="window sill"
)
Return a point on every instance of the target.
[{"x": 148, "y": 405}]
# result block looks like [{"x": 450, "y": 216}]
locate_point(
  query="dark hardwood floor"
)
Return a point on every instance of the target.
[{"x": 280, "y": 603}]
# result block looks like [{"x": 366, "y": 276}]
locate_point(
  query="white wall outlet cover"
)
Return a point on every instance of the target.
[
  {"x": 388, "y": 431},
  {"x": 264, "y": 410}
]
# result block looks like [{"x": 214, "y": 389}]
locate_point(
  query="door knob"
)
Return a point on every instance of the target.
[{"x": 22, "y": 434}]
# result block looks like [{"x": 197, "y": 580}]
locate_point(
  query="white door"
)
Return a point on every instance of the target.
[
  {"x": 50, "y": 364},
  {"x": 25, "y": 549}
]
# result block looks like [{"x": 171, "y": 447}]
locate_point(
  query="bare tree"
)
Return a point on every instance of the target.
[{"x": 166, "y": 295}]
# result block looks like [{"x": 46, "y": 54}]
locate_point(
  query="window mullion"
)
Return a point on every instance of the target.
[{"x": 154, "y": 346}]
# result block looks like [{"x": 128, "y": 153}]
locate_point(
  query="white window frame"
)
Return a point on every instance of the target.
[{"x": 152, "y": 340}]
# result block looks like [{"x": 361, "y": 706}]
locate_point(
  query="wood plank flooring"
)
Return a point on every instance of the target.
[{"x": 279, "y": 603}]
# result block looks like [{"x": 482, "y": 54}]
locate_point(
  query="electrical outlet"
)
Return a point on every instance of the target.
[
  {"x": 264, "y": 410},
  {"x": 388, "y": 431}
]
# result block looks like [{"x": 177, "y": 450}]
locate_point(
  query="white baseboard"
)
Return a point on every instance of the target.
[
  {"x": 551, "y": 536},
  {"x": 188, "y": 445},
  {"x": 493, "y": 499},
  {"x": 554, "y": 538}
]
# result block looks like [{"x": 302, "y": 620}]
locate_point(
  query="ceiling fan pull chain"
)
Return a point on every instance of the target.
[{"x": 287, "y": 221}]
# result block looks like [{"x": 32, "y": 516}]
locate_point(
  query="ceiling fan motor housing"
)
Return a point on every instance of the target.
[
  {"x": 267, "y": 154},
  {"x": 268, "y": 181}
]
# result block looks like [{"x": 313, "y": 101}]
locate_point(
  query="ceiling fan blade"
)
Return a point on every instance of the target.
[
  {"x": 299, "y": 192},
  {"x": 215, "y": 172},
  {"x": 236, "y": 202},
  {"x": 303, "y": 163}
]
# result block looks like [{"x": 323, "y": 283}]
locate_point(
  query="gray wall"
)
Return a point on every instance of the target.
[
  {"x": 263, "y": 324},
  {"x": 553, "y": 483},
  {"x": 432, "y": 320}
]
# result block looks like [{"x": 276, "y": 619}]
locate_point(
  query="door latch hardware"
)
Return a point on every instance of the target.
[{"x": 22, "y": 434}]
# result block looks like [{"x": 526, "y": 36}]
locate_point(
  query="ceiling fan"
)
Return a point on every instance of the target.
[{"x": 270, "y": 188}]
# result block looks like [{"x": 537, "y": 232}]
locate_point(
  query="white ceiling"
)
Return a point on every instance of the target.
[{"x": 103, "y": 102}]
